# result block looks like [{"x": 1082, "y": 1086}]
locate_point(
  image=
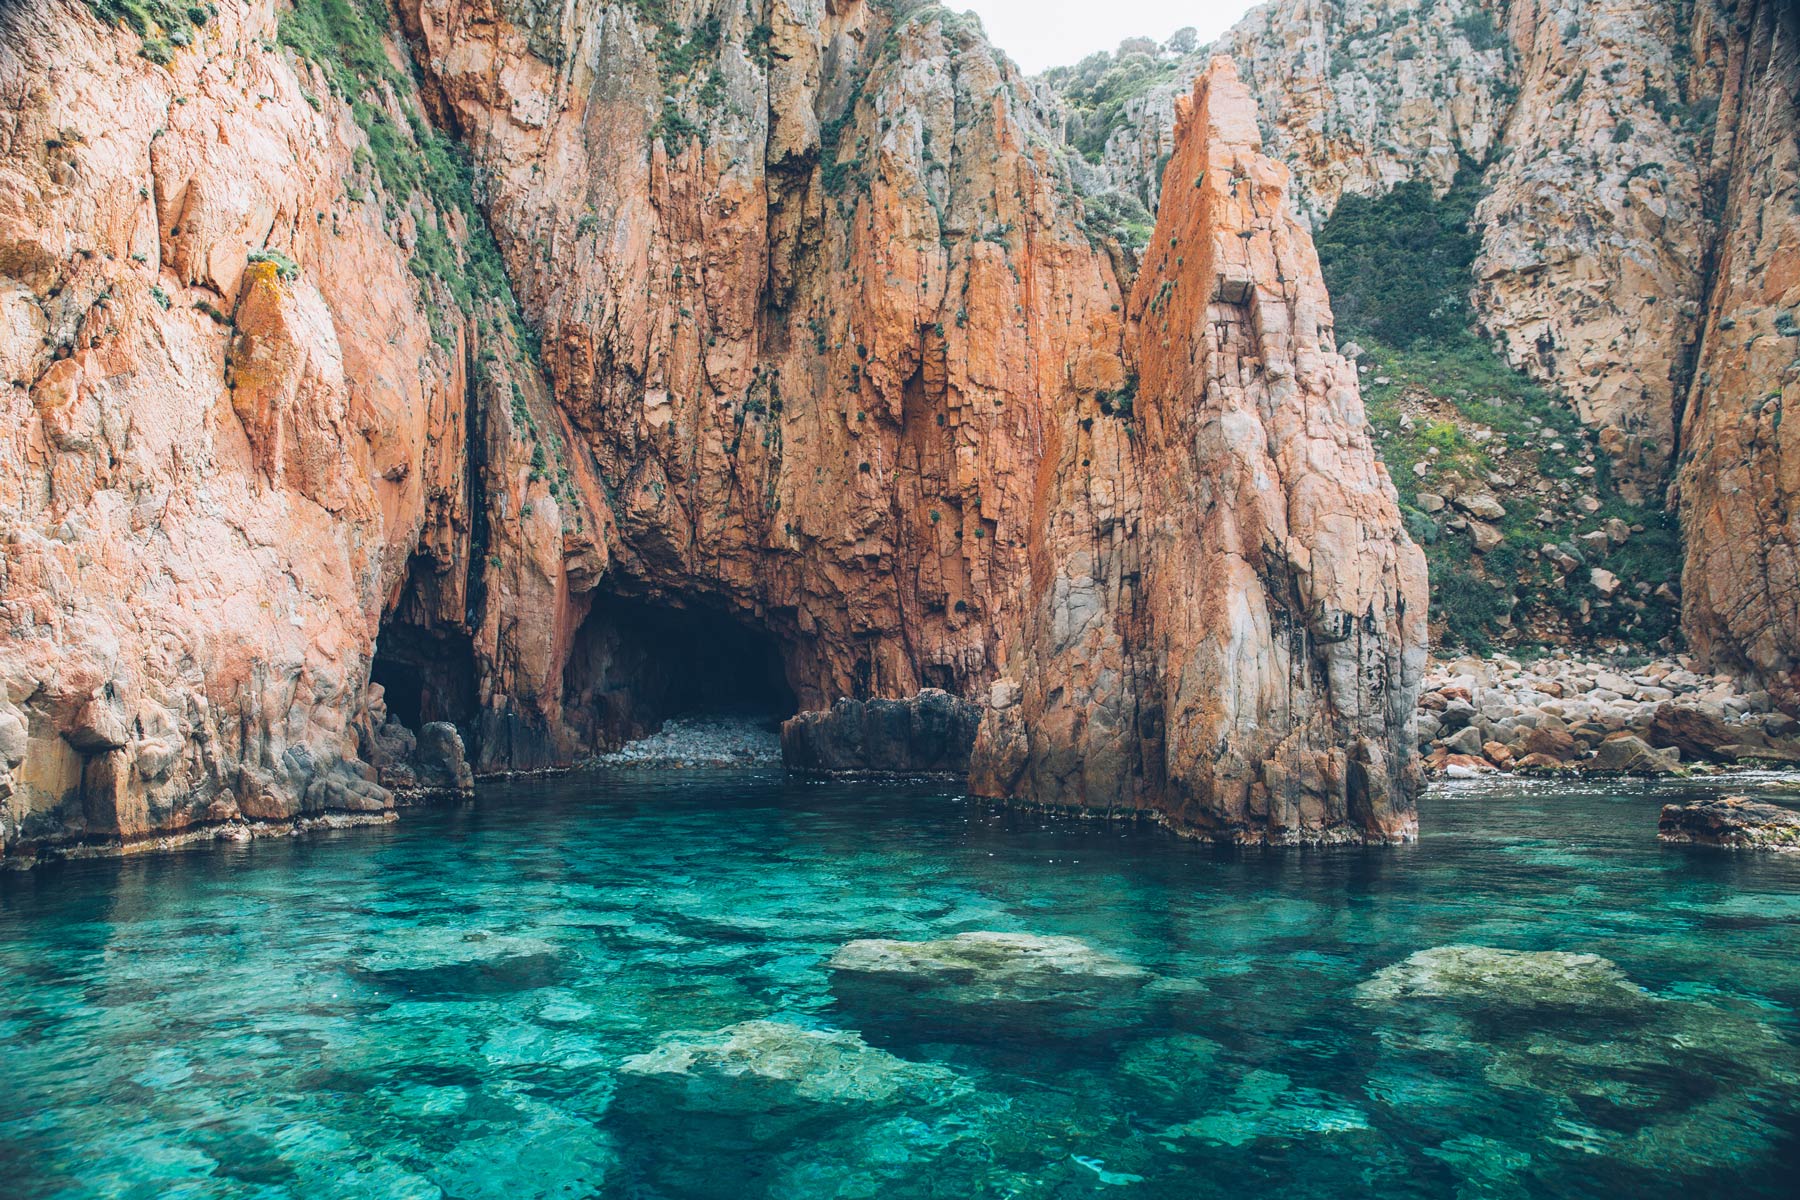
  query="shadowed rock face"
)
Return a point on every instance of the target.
[
  {"x": 931, "y": 732},
  {"x": 826, "y": 350}
]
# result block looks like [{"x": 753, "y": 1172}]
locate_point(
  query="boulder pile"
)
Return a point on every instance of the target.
[{"x": 1563, "y": 714}]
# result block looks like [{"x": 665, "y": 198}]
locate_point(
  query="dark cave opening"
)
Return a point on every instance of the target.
[
  {"x": 635, "y": 664},
  {"x": 427, "y": 674}
]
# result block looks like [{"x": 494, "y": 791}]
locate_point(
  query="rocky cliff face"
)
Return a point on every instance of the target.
[
  {"x": 809, "y": 342},
  {"x": 810, "y": 286},
  {"x": 237, "y": 430},
  {"x": 1236, "y": 642},
  {"x": 1636, "y": 165},
  {"x": 1740, "y": 469},
  {"x": 1589, "y": 126}
]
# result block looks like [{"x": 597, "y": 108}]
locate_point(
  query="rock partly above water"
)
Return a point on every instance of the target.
[
  {"x": 1229, "y": 632},
  {"x": 777, "y": 1074},
  {"x": 429, "y": 764},
  {"x": 930, "y": 733},
  {"x": 990, "y": 982},
  {"x": 1732, "y": 822},
  {"x": 832, "y": 352}
]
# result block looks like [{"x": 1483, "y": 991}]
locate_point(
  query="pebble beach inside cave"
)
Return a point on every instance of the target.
[{"x": 734, "y": 983}]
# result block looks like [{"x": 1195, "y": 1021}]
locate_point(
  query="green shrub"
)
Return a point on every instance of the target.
[
  {"x": 1398, "y": 270},
  {"x": 1478, "y": 28},
  {"x": 285, "y": 267},
  {"x": 1399, "y": 267}
]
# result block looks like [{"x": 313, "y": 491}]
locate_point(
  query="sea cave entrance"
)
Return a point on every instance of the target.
[
  {"x": 427, "y": 674},
  {"x": 636, "y": 663},
  {"x": 425, "y": 665}
]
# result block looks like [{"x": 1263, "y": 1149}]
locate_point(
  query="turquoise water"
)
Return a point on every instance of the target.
[{"x": 455, "y": 1006}]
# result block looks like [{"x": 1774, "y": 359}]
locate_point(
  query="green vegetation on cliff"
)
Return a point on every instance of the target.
[
  {"x": 1398, "y": 266},
  {"x": 428, "y": 176},
  {"x": 422, "y": 171},
  {"x": 1100, "y": 86},
  {"x": 162, "y": 25},
  {"x": 1498, "y": 479}
]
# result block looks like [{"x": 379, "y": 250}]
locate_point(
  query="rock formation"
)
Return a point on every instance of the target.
[
  {"x": 1638, "y": 226},
  {"x": 1731, "y": 822},
  {"x": 1740, "y": 469},
  {"x": 809, "y": 340},
  {"x": 213, "y": 471},
  {"x": 260, "y": 409},
  {"x": 364, "y": 380},
  {"x": 1242, "y": 651},
  {"x": 987, "y": 984},
  {"x": 1587, "y": 124},
  {"x": 930, "y": 733},
  {"x": 1523, "y": 1019}
]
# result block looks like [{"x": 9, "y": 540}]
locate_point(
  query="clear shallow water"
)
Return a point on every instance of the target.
[{"x": 446, "y": 1006}]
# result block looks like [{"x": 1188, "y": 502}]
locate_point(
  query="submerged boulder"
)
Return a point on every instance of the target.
[
  {"x": 778, "y": 1074},
  {"x": 1269, "y": 1105},
  {"x": 759, "y": 1087},
  {"x": 991, "y": 983},
  {"x": 1522, "y": 979},
  {"x": 1659, "y": 1083},
  {"x": 1733, "y": 822}
]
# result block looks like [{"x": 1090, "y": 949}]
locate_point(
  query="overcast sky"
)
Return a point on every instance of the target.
[{"x": 1053, "y": 33}]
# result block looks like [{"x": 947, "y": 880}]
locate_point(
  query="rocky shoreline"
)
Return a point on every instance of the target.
[{"x": 1565, "y": 714}]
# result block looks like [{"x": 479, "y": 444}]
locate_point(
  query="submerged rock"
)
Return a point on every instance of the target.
[
  {"x": 1657, "y": 1082},
  {"x": 990, "y": 982},
  {"x": 758, "y": 1086},
  {"x": 929, "y": 733},
  {"x": 1733, "y": 822},
  {"x": 776, "y": 1072},
  {"x": 1522, "y": 979},
  {"x": 1269, "y": 1105}
]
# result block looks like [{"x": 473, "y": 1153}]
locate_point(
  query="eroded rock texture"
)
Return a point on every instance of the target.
[
  {"x": 809, "y": 338},
  {"x": 1740, "y": 467},
  {"x": 1241, "y": 652},
  {"x": 1587, "y": 124},
  {"x": 218, "y": 472},
  {"x": 810, "y": 288}
]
